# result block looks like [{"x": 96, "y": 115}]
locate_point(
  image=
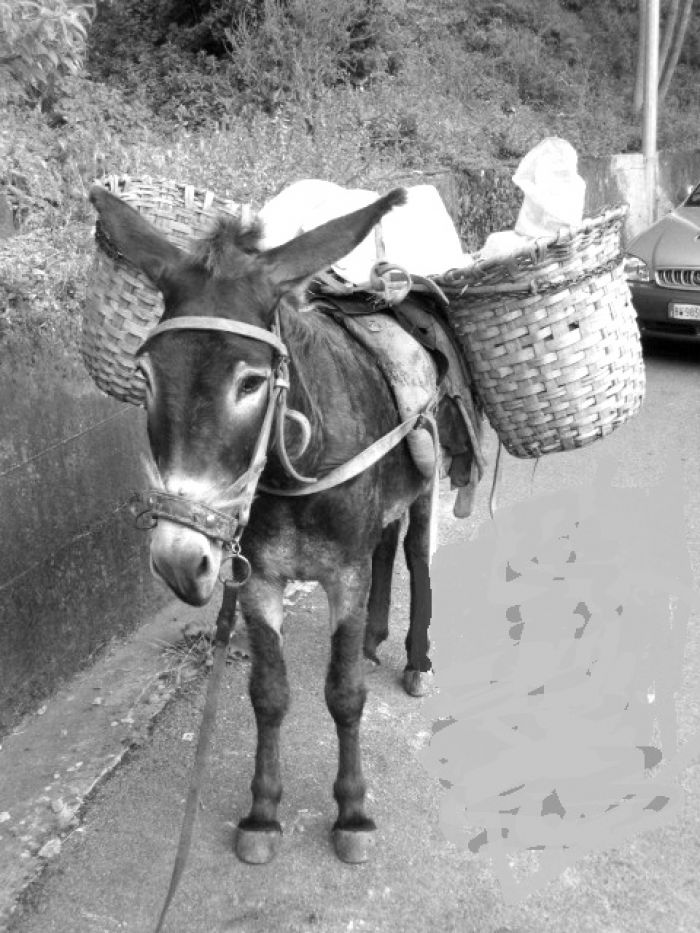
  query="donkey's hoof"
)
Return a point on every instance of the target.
[
  {"x": 417, "y": 683},
  {"x": 257, "y": 846},
  {"x": 353, "y": 845}
]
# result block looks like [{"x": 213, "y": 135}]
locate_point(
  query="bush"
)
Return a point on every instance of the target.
[
  {"x": 540, "y": 80},
  {"x": 130, "y": 47},
  {"x": 201, "y": 61},
  {"x": 29, "y": 178},
  {"x": 200, "y": 25},
  {"x": 288, "y": 52},
  {"x": 49, "y": 159},
  {"x": 613, "y": 29},
  {"x": 39, "y": 42}
]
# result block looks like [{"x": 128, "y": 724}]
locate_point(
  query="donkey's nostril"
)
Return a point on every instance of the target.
[{"x": 204, "y": 566}]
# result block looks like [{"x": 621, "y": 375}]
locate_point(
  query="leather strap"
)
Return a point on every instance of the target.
[
  {"x": 224, "y": 325},
  {"x": 358, "y": 464}
]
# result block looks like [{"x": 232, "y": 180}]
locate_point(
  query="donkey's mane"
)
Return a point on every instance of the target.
[{"x": 231, "y": 244}]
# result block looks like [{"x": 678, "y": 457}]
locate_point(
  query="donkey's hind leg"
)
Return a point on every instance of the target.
[
  {"x": 258, "y": 835},
  {"x": 345, "y": 696},
  {"x": 377, "y": 629},
  {"x": 417, "y": 550}
]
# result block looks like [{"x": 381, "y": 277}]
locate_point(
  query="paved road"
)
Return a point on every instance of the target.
[{"x": 112, "y": 874}]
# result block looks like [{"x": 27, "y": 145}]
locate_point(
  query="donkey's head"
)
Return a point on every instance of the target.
[{"x": 206, "y": 391}]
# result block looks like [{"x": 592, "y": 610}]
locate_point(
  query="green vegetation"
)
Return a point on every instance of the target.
[
  {"x": 39, "y": 42},
  {"x": 244, "y": 96}
]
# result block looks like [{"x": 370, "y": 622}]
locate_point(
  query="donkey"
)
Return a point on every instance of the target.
[{"x": 210, "y": 369}]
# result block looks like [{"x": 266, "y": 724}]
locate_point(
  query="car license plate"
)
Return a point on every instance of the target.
[{"x": 684, "y": 312}]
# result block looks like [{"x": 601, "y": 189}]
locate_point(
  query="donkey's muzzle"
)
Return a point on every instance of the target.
[
  {"x": 187, "y": 542},
  {"x": 186, "y": 561}
]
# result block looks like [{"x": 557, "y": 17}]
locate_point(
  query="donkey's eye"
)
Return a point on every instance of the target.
[{"x": 250, "y": 384}]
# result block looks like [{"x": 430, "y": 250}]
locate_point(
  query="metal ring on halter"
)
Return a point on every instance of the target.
[
  {"x": 237, "y": 560},
  {"x": 144, "y": 519}
]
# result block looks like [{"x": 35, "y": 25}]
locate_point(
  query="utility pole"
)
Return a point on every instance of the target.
[{"x": 651, "y": 95}]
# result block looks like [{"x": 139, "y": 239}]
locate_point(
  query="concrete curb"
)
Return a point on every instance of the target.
[{"x": 53, "y": 760}]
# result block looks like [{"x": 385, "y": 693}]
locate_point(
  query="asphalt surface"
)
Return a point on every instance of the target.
[{"x": 112, "y": 870}]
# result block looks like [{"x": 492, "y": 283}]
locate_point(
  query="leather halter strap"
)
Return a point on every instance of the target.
[
  {"x": 365, "y": 459},
  {"x": 223, "y": 325}
]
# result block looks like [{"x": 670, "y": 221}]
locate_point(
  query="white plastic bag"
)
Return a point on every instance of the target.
[
  {"x": 554, "y": 191},
  {"x": 501, "y": 245}
]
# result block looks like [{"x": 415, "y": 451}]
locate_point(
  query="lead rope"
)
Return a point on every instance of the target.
[
  {"x": 496, "y": 481},
  {"x": 497, "y": 478},
  {"x": 224, "y": 626}
]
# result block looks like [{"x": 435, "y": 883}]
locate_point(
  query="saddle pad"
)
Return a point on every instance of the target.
[
  {"x": 400, "y": 354},
  {"x": 410, "y": 371}
]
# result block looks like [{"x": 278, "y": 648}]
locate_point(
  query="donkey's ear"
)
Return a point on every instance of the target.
[
  {"x": 296, "y": 261},
  {"x": 136, "y": 239}
]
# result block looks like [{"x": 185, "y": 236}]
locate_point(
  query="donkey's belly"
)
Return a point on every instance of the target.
[{"x": 312, "y": 546}]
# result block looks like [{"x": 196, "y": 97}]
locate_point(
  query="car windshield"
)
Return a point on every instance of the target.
[{"x": 694, "y": 198}]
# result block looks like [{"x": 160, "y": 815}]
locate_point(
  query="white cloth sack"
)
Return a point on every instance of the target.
[{"x": 418, "y": 236}]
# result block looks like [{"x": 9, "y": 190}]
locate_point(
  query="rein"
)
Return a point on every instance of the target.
[{"x": 365, "y": 459}]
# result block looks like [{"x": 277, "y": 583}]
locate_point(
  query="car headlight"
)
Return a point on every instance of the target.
[{"x": 636, "y": 270}]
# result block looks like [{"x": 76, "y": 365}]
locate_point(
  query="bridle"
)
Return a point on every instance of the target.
[
  {"x": 224, "y": 527},
  {"x": 227, "y": 527}
]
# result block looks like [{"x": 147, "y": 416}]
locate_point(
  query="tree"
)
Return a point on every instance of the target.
[
  {"x": 669, "y": 31},
  {"x": 675, "y": 29},
  {"x": 675, "y": 47}
]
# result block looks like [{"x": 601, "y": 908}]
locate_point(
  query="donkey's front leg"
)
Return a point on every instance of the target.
[
  {"x": 258, "y": 835},
  {"x": 345, "y": 696}
]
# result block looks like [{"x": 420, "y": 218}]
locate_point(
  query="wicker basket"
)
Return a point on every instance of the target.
[
  {"x": 551, "y": 338},
  {"x": 122, "y": 306}
]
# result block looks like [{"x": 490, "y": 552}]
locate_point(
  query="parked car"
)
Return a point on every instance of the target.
[{"x": 663, "y": 271}]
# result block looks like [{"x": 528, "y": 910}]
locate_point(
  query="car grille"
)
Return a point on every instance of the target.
[{"x": 678, "y": 278}]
